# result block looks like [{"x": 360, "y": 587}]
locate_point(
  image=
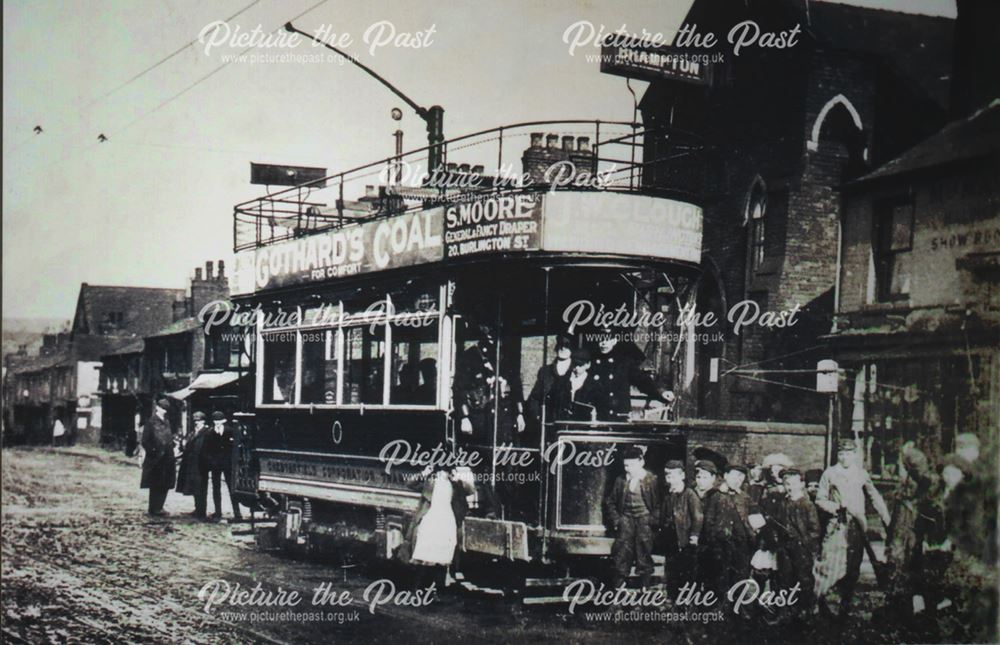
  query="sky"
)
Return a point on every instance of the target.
[{"x": 155, "y": 200}]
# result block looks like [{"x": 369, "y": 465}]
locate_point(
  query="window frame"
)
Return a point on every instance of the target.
[
  {"x": 884, "y": 255},
  {"x": 336, "y": 333}
]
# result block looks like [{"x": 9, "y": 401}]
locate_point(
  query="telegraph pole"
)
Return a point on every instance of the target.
[{"x": 432, "y": 116}]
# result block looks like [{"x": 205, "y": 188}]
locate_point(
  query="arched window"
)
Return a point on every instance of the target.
[{"x": 756, "y": 211}]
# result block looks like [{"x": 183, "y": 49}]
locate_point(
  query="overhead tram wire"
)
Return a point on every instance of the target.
[
  {"x": 164, "y": 103},
  {"x": 163, "y": 60}
]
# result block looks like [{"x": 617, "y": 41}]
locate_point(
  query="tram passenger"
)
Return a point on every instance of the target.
[
  {"x": 680, "y": 519},
  {"x": 406, "y": 390},
  {"x": 542, "y": 396},
  {"x": 615, "y": 371},
  {"x": 630, "y": 507},
  {"x": 426, "y": 392},
  {"x": 577, "y": 396},
  {"x": 477, "y": 387}
]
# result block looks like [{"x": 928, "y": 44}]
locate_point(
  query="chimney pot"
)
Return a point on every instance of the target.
[
  {"x": 222, "y": 269},
  {"x": 478, "y": 169},
  {"x": 452, "y": 167},
  {"x": 583, "y": 144},
  {"x": 567, "y": 143},
  {"x": 209, "y": 266},
  {"x": 536, "y": 139},
  {"x": 552, "y": 141},
  {"x": 463, "y": 168},
  {"x": 197, "y": 273},
  {"x": 369, "y": 191}
]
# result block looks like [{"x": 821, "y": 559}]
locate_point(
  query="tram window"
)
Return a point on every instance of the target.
[
  {"x": 279, "y": 368},
  {"x": 414, "y": 362},
  {"x": 364, "y": 361},
  {"x": 319, "y": 367}
]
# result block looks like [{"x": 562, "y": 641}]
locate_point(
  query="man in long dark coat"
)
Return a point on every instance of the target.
[
  {"x": 615, "y": 370},
  {"x": 159, "y": 469},
  {"x": 189, "y": 476}
]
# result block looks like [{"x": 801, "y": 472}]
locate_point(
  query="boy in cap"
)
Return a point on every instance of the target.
[
  {"x": 705, "y": 486},
  {"x": 727, "y": 532},
  {"x": 630, "y": 507},
  {"x": 800, "y": 543},
  {"x": 680, "y": 526}
]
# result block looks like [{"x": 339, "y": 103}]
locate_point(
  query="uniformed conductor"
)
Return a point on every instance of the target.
[{"x": 615, "y": 371}]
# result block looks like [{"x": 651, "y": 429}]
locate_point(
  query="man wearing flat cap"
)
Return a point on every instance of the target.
[
  {"x": 727, "y": 532},
  {"x": 680, "y": 526},
  {"x": 216, "y": 462},
  {"x": 159, "y": 468}
]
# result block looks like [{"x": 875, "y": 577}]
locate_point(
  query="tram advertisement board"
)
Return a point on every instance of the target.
[
  {"x": 496, "y": 224},
  {"x": 400, "y": 241},
  {"x": 593, "y": 222}
]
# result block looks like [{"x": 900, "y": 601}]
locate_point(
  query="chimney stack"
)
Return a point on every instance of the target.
[
  {"x": 583, "y": 144},
  {"x": 552, "y": 141},
  {"x": 209, "y": 266},
  {"x": 197, "y": 274},
  {"x": 464, "y": 168},
  {"x": 567, "y": 143},
  {"x": 222, "y": 269},
  {"x": 536, "y": 139}
]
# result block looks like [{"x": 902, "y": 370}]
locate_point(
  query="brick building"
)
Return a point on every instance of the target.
[
  {"x": 62, "y": 382},
  {"x": 918, "y": 326},
  {"x": 177, "y": 360},
  {"x": 779, "y": 131}
]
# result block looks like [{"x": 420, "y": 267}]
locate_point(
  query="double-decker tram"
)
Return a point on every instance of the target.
[{"x": 427, "y": 324}]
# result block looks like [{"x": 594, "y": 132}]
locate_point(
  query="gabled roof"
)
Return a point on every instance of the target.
[
  {"x": 177, "y": 327},
  {"x": 143, "y": 309},
  {"x": 969, "y": 138}
]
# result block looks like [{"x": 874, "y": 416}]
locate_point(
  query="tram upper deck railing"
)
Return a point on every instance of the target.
[{"x": 535, "y": 155}]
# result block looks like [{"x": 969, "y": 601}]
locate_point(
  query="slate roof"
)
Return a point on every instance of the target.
[
  {"x": 972, "y": 137},
  {"x": 145, "y": 309}
]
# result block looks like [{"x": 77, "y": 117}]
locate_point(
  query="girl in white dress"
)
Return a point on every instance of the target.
[{"x": 437, "y": 533}]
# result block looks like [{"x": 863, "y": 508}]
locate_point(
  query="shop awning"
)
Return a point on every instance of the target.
[
  {"x": 181, "y": 394},
  {"x": 213, "y": 380}
]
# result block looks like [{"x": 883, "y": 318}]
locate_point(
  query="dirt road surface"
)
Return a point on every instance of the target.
[{"x": 83, "y": 563}]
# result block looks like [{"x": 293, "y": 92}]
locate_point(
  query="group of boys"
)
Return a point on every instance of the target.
[{"x": 714, "y": 534}]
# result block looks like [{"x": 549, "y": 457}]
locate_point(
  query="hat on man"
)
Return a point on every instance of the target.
[
  {"x": 218, "y": 416},
  {"x": 955, "y": 461},
  {"x": 813, "y": 475},
  {"x": 199, "y": 416},
  {"x": 632, "y": 452},
  {"x": 706, "y": 465},
  {"x": 581, "y": 356},
  {"x": 777, "y": 459},
  {"x": 674, "y": 464},
  {"x": 791, "y": 472},
  {"x": 739, "y": 467},
  {"x": 163, "y": 403},
  {"x": 564, "y": 340}
]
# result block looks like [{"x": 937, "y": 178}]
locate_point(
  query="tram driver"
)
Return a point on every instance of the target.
[{"x": 615, "y": 371}]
